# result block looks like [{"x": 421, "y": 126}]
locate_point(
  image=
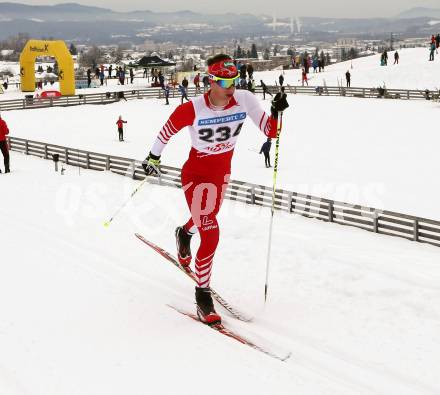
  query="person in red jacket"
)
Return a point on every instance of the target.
[
  {"x": 120, "y": 124},
  {"x": 214, "y": 121},
  {"x": 4, "y": 131}
]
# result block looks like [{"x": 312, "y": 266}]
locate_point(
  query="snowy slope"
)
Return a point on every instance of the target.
[
  {"x": 378, "y": 153},
  {"x": 84, "y": 308},
  {"x": 414, "y": 71}
]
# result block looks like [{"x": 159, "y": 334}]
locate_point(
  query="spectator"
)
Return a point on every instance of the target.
[
  {"x": 89, "y": 78},
  {"x": 348, "y": 78},
  {"x": 145, "y": 73},
  {"x": 197, "y": 83},
  {"x": 396, "y": 57},
  {"x": 131, "y": 75},
  {"x": 431, "y": 53},
  {"x": 315, "y": 64},
  {"x": 281, "y": 79},
  {"x": 101, "y": 77},
  {"x": 120, "y": 124},
  {"x": 265, "y": 90},
  {"x": 265, "y": 149},
  {"x": 166, "y": 89},
  {"x": 121, "y": 76},
  {"x": 161, "y": 80},
  {"x": 183, "y": 92},
  {"x": 243, "y": 70},
  {"x": 205, "y": 81},
  {"x": 5, "y": 85},
  {"x": 110, "y": 70},
  {"x": 437, "y": 41},
  {"x": 250, "y": 71},
  {"x": 4, "y": 131}
]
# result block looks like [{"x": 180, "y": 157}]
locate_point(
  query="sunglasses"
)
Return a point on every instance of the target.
[{"x": 224, "y": 82}]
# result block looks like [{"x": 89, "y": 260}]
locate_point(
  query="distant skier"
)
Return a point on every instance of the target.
[
  {"x": 4, "y": 131},
  {"x": 265, "y": 149},
  {"x": 396, "y": 57},
  {"x": 304, "y": 77},
  {"x": 214, "y": 122},
  {"x": 348, "y": 78},
  {"x": 120, "y": 124},
  {"x": 265, "y": 90},
  {"x": 385, "y": 58},
  {"x": 281, "y": 79}
]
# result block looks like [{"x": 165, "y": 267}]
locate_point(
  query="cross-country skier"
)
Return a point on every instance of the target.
[
  {"x": 120, "y": 122},
  {"x": 214, "y": 121},
  {"x": 265, "y": 149}
]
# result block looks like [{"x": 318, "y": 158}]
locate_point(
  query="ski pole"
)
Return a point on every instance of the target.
[
  {"x": 136, "y": 190},
  {"x": 275, "y": 172}
]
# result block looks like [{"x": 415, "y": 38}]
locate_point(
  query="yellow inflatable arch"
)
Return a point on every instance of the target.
[{"x": 57, "y": 49}]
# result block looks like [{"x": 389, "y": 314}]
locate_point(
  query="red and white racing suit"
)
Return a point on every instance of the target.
[{"x": 205, "y": 175}]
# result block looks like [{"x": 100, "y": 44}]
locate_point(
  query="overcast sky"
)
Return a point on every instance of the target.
[{"x": 331, "y": 8}]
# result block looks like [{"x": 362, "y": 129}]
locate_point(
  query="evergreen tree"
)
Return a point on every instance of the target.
[
  {"x": 73, "y": 50},
  {"x": 254, "y": 53},
  {"x": 239, "y": 52},
  {"x": 275, "y": 50}
]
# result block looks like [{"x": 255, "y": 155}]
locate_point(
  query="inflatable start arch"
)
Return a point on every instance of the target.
[{"x": 57, "y": 49}]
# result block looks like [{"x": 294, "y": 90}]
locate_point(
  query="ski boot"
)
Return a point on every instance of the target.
[
  {"x": 205, "y": 307},
  {"x": 183, "y": 241}
]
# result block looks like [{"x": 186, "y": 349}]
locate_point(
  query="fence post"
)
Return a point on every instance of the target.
[
  {"x": 292, "y": 202},
  {"x": 294, "y": 90},
  {"x": 107, "y": 163},
  {"x": 87, "y": 160},
  {"x": 51, "y": 102},
  {"x": 375, "y": 222},
  {"x": 26, "y": 147},
  {"x": 407, "y": 94},
  {"x": 45, "y": 151},
  {"x": 66, "y": 154},
  {"x": 252, "y": 192},
  {"x": 416, "y": 230},
  {"x": 330, "y": 212},
  {"x": 133, "y": 174}
]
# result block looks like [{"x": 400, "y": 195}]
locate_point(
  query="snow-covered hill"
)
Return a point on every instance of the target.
[
  {"x": 83, "y": 308},
  {"x": 414, "y": 71}
]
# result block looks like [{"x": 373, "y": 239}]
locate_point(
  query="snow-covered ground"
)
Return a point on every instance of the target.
[
  {"x": 378, "y": 153},
  {"x": 83, "y": 308}
]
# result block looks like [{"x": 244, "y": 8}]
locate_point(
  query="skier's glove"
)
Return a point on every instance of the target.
[
  {"x": 151, "y": 165},
  {"x": 279, "y": 104}
]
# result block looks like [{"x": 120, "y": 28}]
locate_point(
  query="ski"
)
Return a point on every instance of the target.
[
  {"x": 187, "y": 270},
  {"x": 220, "y": 328}
]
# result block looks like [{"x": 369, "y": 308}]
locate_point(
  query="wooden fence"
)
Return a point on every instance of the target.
[
  {"x": 149, "y": 93},
  {"x": 367, "y": 218}
]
